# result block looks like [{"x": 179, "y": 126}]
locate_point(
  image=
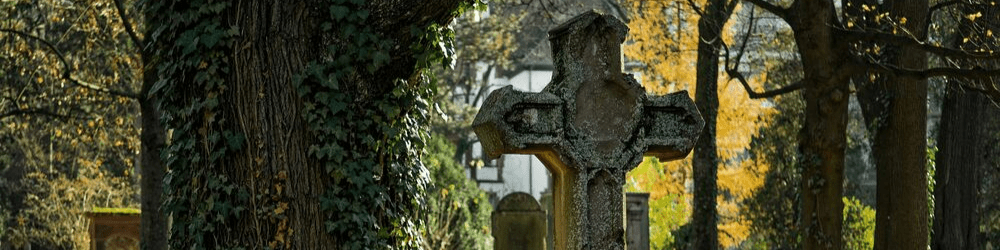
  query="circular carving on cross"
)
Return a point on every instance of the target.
[{"x": 603, "y": 104}]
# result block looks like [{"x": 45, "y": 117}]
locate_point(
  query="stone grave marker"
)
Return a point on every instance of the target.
[
  {"x": 637, "y": 227},
  {"x": 589, "y": 126},
  {"x": 519, "y": 223}
]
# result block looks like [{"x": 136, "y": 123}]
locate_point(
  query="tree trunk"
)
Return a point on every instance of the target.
[
  {"x": 964, "y": 142},
  {"x": 705, "y": 162},
  {"x": 152, "y": 138},
  {"x": 899, "y": 142},
  {"x": 265, "y": 107},
  {"x": 269, "y": 171},
  {"x": 153, "y": 221},
  {"x": 822, "y": 141}
]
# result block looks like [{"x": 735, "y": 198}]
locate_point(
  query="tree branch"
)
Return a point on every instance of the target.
[
  {"x": 935, "y": 8},
  {"x": 68, "y": 69},
  {"x": 769, "y": 7},
  {"x": 766, "y": 94},
  {"x": 872, "y": 36},
  {"x": 128, "y": 25},
  {"x": 733, "y": 71},
  {"x": 694, "y": 6},
  {"x": 972, "y": 75},
  {"x": 746, "y": 40},
  {"x": 36, "y": 111}
]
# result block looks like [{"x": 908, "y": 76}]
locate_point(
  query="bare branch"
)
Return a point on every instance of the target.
[
  {"x": 128, "y": 25},
  {"x": 746, "y": 39},
  {"x": 935, "y": 8},
  {"x": 68, "y": 70},
  {"x": 37, "y": 111},
  {"x": 695, "y": 7},
  {"x": 769, "y": 7},
  {"x": 972, "y": 75},
  {"x": 733, "y": 72},
  {"x": 904, "y": 41},
  {"x": 766, "y": 94},
  {"x": 62, "y": 59}
]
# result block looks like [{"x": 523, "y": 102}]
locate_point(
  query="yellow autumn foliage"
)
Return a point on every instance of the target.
[{"x": 663, "y": 38}]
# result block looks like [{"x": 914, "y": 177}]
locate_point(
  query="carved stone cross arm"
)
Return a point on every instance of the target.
[
  {"x": 589, "y": 126},
  {"x": 515, "y": 122}
]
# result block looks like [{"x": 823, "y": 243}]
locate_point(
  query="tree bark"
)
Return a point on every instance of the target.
[
  {"x": 705, "y": 162},
  {"x": 151, "y": 168},
  {"x": 276, "y": 42},
  {"x": 964, "y": 142},
  {"x": 822, "y": 141},
  {"x": 899, "y": 142},
  {"x": 153, "y": 221}
]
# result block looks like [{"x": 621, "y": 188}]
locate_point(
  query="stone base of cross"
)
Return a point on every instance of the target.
[{"x": 589, "y": 126}]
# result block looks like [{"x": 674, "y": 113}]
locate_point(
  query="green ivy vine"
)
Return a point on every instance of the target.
[
  {"x": 368, "y": 142},
  {"x": 370, "y": 146},
  {"x": 191, "y": 44}
]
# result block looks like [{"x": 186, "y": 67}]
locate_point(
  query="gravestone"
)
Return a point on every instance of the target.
[
  {"x": 114, "y": 228},
  {"x": 589, "y": 126},
  {"x": 519, "y": 223},
  {"x": 637, "y": 225}
]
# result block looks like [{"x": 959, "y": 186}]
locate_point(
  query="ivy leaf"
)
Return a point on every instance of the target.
[
  {"x": 234, "y": 139},
  {"x": 363, "y": 14},
  {"x": 339, "y": 12},
  {"x": 211, "y": 38}
]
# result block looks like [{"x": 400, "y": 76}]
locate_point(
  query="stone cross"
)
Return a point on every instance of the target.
[{"x": 589, "y": 126}]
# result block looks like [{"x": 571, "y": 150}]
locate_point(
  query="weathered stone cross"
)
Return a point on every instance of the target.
[{"x": 589, "y": 126}]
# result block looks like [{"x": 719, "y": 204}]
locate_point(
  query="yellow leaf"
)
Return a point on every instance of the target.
[
  {"x": 40, "y": 79},
  {"x": 972, "y": 17},
  {"x": 281, "y": 208},
  {"x": 902, "y": 20}
]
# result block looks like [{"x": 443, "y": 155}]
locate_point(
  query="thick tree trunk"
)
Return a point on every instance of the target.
[
  {"x": 269, "y": 170},
  {"x": 705, "y": 163},
  {"x": 823, "y": 140},
  {"x": 963, "y": 148},
  {"x": 899, "y": 144},
  {"x": 264, "y": 106},
  {"x": 966, "y": 145}
]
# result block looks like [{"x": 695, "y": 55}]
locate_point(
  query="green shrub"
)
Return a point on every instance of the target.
[
  {"x": 859, "y": 225},
  {"x": 458, "y": 212}
]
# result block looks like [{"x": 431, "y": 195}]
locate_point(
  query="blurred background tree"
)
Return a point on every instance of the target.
[{"x": 66, "y": 144}]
